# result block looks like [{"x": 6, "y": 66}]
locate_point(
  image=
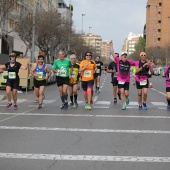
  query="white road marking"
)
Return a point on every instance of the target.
[
  {"x": 100, "y": 107},
  {"x": 158, "y": 103},
  {"x": 103, "y": 102},
  {"x": 133, "y": 103},
  {"x": 100, "y": 158},
  {"x": 48, "y": 101},
  {"x": 88, "y": 115},
  {"x": 95, "y": 98},
  {"x": 18, "y": 101},
  {"x": 158, "y": 91},
  {"x": 84, "y": 130},
  {"x": 101, "y": 86}
]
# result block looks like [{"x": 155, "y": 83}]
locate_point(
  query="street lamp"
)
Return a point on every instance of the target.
[
  {"x": 89, "y": 29},
  {"x": 82, "y": 22}
]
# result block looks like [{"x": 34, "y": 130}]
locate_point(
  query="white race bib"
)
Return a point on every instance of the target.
[
  {"x": 143, "y": 83},
  {"x": 74, "y": 74},
  {"x": 62, "y": 73},
  {"x": 11, "y": 75},
  {"x": 121, "y": 82},
  {"x": 87, "y": 73},
  {"x": 40, "y": 75},
  {"x": 98, "y": 71}
]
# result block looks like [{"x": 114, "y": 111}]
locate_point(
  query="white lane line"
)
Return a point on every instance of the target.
[
  {"x": 101, "y": 107},
  {"x": 97, "y": 116},
  {"x": 103, "y": 102},
  {"x": 158, "y": 91},
  {"x": 158, "y": 103},
  {"x": 84, "y": 130},
  {"x": 100, "y": 158},
  {"x": 133, "y": 103},
  {"x": 95, "y": 98}
]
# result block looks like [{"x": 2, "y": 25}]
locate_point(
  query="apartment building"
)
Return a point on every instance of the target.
[
  {"x": 130, "y": 42},
  {"x": 105, "y": 52},
  {"x": 157, "y": 23},
  {"x": 21, "y": 8}
]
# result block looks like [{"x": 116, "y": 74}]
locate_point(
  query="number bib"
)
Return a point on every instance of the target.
[
  {"x": 121, "y": 82},
  {"x": 40, "y": 75},
  {"x": 62, "y": 73},
  {"x": 98, "y": 71},
  {"x": 74, "y": 74},
  {"x": 87, "y": 73},
  {"x": 143, "y": 83},
  {"x": 12, "y": 75}
]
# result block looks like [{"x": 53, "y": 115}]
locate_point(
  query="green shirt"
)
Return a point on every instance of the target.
[{"x": 63, "y": 67}]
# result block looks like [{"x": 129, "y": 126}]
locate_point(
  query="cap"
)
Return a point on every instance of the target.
[
  {"x": 12, "y": 55},
  {"x": 123, "y": 53}
]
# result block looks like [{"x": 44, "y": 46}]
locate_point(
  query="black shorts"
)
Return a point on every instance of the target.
[
  {"x": 96, "y": 75},
  {"x": 167, "y": 89},
  {"x": 138, "y": 86},
  {"x": 14, "y": 84},
  {"x": 38, "y": 83},
  {"x": 62, "y": 81},
  {"x": 114, "y": 81},
  {"x": 86, "y": 84},
  {"x": 71, "y": 85},
  {"x": 125, "y": 86}
]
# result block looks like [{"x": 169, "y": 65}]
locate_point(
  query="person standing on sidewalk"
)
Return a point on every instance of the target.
[
  {"x": 73, "y": 82},
  {"x": 13, "y": 79},
  {"x": 123, "y": 77},
  {"x": 143, "y": 66},
  {"x": 63, "y": 69},
  {"x": 87, "y": 69},
  {"x": 41, "y": 73}
]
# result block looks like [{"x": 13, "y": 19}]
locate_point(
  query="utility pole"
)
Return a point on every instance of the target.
[
  {"x": 82, "y": 22},
  {"x": 33, "y": 34}
]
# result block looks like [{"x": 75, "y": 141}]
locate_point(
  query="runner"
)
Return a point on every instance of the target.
[
  {"x": 13, "y": 79},
  {"x": 143, "y": 66},
  {"x": 41, "y": 73},
  {"x": 113, "y": 70},
  {"x": 73, "y": 82},
  {"x": 87, "y": 68},
  {"x": 97, "y": 74},
  {"x": 167, "y": 74},
  {"x": 62, "y": 69},
  {"x": 123, "y": 77}
]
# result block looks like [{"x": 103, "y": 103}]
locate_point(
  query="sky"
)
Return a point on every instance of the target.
[{"x": 111, "y": 19}]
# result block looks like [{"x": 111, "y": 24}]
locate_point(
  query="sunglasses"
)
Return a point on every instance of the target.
[
  {"x": 88, "y": 55},
  {"x": 143, "y": 55}
]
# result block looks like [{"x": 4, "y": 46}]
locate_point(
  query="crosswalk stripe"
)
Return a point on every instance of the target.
[
  {"x": 100, "y": 158},
  {"x": 158, "y": 103}
]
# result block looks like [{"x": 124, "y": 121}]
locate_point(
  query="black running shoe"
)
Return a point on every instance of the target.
[
  {"x": 115, "y": 100},
  {"x": 76, "y": 104},
  {"x": 66, "y": 105}
]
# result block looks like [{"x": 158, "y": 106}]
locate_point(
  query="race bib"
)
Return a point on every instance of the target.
[
  {"x": 40, "y": 75},
  {"x": 74, "y": 74},
  {"x": 63, "y": 73},
  {"x": 11, "y": 75},
  {"x": 121, "y": 82},
  {"x": 143, "y": 83},
  {"x": 87, "y": 73},
  {"x": 98, "y": 71}
]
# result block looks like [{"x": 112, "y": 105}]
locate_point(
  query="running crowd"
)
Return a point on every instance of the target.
[{"x": 69, "y": 73}]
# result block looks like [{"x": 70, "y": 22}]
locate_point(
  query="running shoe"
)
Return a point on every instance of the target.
[
  {"x": 62, "y": 107},
  {"x": 76, "y": 104},
  {"x": 168, "y": 107},
  {"x": 66, "y": 105},
  {"x": 15, "y": 107},
  {"x": 8, "y": 105},
  {"x": 88, "y": 107},
  {"x": 127, "y": 101},
  {"x": 144, "y": 106},
  {"x": 36, "y": 101},
  {"x": 123, "y": 107},
  {"x": 140, "y": 107},
  {"x": 115, "y": 100},
  {"x": 119, "y": 96},
  {"x": 40, "y": 106},
  {"x": 71, "y": 104},
  {"x": 98, "y": 91}
]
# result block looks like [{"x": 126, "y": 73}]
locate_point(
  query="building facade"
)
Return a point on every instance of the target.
[{"x": 157, "y": 23}]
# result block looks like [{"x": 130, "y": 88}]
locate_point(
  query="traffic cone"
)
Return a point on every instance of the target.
[{"x": 150, "y": 85}]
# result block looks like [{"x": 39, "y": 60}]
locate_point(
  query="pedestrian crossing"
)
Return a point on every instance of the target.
[{"x": 97, "y": 104}]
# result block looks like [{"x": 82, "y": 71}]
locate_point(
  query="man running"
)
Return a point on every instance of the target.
[
  {"x": 87, "y": 68},
  {"x": 123, "y": 77},
  {"x": 142, "y": 68},
  {"x": 13, "y": 79},
  {"x": 97, "y": 74},
  {"x": 62, "y": 69},
  {"x": 41, "y": 73},
  {"x": 73, "y": 82}
]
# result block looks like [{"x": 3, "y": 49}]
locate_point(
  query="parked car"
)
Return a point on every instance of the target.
[
  {"x": 3, "y": 79},
  {"x": 52, "y": 78}
]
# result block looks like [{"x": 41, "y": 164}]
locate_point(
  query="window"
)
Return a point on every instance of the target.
[
  {"x": 159, "y": 21},
  {"x": 160, "y": 4},
  {"x": 159, "y": 30},
  {"x": 11, "y": 24},
  {"x": 159, "y": 39},
  {"x": 159, "y": 13}
]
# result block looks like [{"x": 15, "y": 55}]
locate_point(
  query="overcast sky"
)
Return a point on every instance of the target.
[{"x": 111, "y": 19}]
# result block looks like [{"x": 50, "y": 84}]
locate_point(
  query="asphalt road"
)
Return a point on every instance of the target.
[{"x": 104, "y": 138}]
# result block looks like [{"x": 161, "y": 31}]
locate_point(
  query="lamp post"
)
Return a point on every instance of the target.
[{"x": 82, "y": 22}]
